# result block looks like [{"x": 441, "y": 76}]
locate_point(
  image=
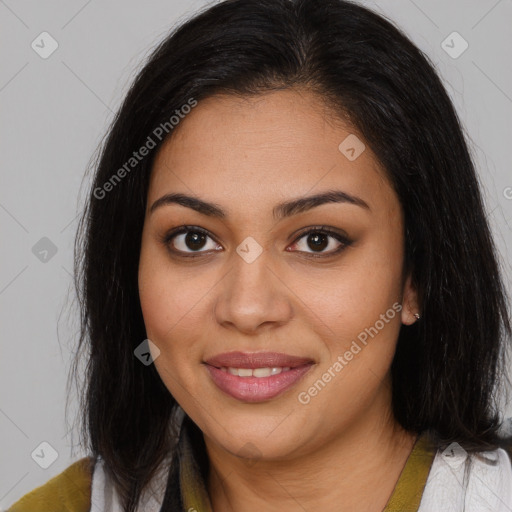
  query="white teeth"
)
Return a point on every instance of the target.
[
  {"x": 264, "y": 372},
  {"x": 256, "y": 372}
]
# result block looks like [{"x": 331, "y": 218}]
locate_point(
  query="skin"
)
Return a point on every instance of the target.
[{"x": 343, "y": 450}]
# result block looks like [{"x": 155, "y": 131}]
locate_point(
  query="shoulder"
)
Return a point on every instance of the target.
[
  {"x": 481, "y": 481},
  {"x": 69, "y": 491}
]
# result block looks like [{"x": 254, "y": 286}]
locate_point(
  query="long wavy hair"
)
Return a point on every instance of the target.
[{"x": 447, "y": 369}]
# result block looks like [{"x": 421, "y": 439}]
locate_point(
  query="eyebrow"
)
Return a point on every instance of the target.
[{"x": 280, "y": 211}]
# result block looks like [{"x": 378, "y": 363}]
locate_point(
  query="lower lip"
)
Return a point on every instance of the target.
[{"x": 256, "y": 389}]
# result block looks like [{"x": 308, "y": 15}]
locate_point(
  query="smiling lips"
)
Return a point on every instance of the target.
[{"x": 256, "y": 376}]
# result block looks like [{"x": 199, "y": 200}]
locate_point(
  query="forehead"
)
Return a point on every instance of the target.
[{"x": 260, "y": 149}]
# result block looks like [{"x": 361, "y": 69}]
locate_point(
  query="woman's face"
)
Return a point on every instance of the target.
[{"x": 252, "y": 277}]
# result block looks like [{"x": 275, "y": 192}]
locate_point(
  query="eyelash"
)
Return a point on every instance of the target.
[{"x": 345, "y": 242}]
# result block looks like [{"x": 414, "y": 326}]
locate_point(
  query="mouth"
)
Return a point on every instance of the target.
[{"x": 257, "y": 376}]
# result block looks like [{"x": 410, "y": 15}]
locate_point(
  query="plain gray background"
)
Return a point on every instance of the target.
[{"x": 55, "y": 111}]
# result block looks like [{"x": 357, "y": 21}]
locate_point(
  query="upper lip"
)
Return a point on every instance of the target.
[{"x": 257, "y": 360}]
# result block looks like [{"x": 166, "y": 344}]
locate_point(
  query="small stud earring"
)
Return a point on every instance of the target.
[{"x": 417, "y": 316}]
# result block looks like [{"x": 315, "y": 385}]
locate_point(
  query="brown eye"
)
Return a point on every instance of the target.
[
  {"x": 194, "y": 240},
  {"x": 317, "y": 240},
  {"x": 188, "y": 240}
]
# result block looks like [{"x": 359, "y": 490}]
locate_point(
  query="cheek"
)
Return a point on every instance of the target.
[
  {"x": 352, "y": 295},
  {"x": 374, "y": 279},
  {"x": 157, "y": 295},
  {"x": 166, "y": 312},
  {"x": 163, "y": 296},
  {"x": 171, "y": 307},
  {"x": 156, "y": 302},
  {"x": 357, "y": 308}
]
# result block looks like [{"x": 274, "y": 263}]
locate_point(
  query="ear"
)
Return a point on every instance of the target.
[{"x": 409, "y": 302}]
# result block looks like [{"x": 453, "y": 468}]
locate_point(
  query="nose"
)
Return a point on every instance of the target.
[{"x": 252, "y": 296}]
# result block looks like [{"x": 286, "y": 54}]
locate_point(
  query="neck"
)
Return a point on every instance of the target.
[{"x": 357, "y": 470}]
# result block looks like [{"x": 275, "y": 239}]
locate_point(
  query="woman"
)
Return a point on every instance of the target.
[{"x": 288, "y": 283}]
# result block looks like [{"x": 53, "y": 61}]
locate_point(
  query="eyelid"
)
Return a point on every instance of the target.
[
  {"x": 339, "y": 234},
  {"x": 341, "y": 237}
]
